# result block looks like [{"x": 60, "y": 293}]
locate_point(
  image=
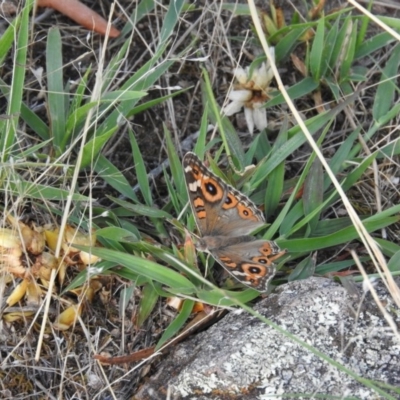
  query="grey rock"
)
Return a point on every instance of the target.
[{"x": 240, "y": 357}]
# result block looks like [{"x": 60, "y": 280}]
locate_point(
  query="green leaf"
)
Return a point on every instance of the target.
[
  {"x": 122, "y": 95},
  {"x": 331, "y": 37},
  {"x": 317, "y": 49},
  {"x": 313, "y": 192},
  {"x": 141, "y": 173},
  {"x": 338, "y": 160},
  {"x": 77, "y": 118},
  {"x": 176, "y": 325},
  {"x": 176, "y": 167},
  {"x": 329, "y": 268},
  {"x": 226, "y": 298},
  {"x": 394, "y": 262},
  {"x": 201, "y": 141},
  {"x": 141, "y": 10},
  {"x": 340, "y": 44},
  {"x": 274, "y": 190},
  {"x": 56, "y": 98},
  {"x": 93, "y": 147},
  {"x": 300, "y": 89},
  {"x": 340, "y": 237},
  {"x": 304, "y": 269},
  {"x": 146, "y": 305},
  {"x": 139, "y": 108},
  {"x": 347, "y": 56},
  {"x": 79, "y": 95},
  {"x": 145, "y": 268},
  {"x": 295, "y": 213},
  {"x": 374, "y": 43},
  {"x": 35, "y": 122},
  {"x": 7, "y": 38},
  {"x": 32, "y": 190},
  {"x": 126, "y": 294},
  {"x": 388, "y": 247},
  {"x": 117, "y": 234},
  {"x": 229, "y": 136},
  {"x": 8, "y": 126},
  {"x": 287, "y": 44},
  {"x": 100, "y": 268},
  {"x": 170, "y": 21},
  {"x": 114, "y": 177},
  {"x": 387, "y": 87},
  {"x": 142, "y": 210},
  {"x": 296, "y": 139}
]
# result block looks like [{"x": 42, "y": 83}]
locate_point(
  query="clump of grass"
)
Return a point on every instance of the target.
[{"x": 310, "y": 208}]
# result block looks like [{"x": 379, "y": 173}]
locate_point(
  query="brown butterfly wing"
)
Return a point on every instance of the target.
[{"x": 219, "y": 209}]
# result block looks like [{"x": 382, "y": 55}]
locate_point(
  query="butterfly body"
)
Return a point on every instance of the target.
[{"x": 225, "y": 217}]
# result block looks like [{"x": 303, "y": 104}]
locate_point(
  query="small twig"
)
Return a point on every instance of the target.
[
  {"x": 199, "y": 321},
  {"x": 81, "y": 14}
]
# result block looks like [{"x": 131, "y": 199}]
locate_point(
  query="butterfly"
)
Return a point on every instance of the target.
[{"x": 225, "y": 218}]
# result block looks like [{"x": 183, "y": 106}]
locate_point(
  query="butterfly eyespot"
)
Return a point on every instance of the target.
[
  {"x": 246, "y": 212},
  {"x": 266, "y": 249},
  {"x": 212, "y": 191},
  {"x": 262, "y": 260},
  {"x": 211, "y": 188},
  {"x": 230, "y": 201}
]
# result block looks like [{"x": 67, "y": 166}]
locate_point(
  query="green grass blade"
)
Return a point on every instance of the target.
[
  {"x": 329, "y": 45},
  {"x": 176, "y": 325},
  {"x": 143, "y": 9},
  {"x": 8, "y": 126},
  {"x": 114, "y": 66},
  {"x": 394, "y": 263},
  {"x": 348, "y": 52},
  {"x": 31, "y": 119},
  {"x": 93, "y": 147},
  {"x": 340, "y": 237},
  {"x": 387, "y": 87},
  {"x": 274, "y": 190},
  {"x": 7, "y": 38},
  {"x": 388, "y": 247},
  {"x": 141, "y": 173},
  {"x": 117, "y": 234},
  {"x": 226, "y": 298},
  {"x": 19, "y": 187},
  {"x": 146, "y": 305},
  {"x": 313, "y": 192},
  {"x": 317, "y": 49},
  {"x": 300, "y": 89},
  {"x": 114, "y": 178},
  {"x": 140, "y": 209},
  {"x": 176, "y": 167},
  {"x": 304, "y": 269},
  {"x": 170, "y": 20},
  {"x": 229, "y": 136},
  {"x": 154, "y": 102},
  {"x": 372, "y": 44},
  {"x": 201, "y": 141},
  {"x": 287, "y": 44},
  {"x": 340, "y": 43},
  {"x": 145, "y": 268},
  {"x": 56, "y": 98}
]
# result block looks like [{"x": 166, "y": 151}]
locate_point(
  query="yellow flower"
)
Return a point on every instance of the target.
[{"x": 250, "y": 93}]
